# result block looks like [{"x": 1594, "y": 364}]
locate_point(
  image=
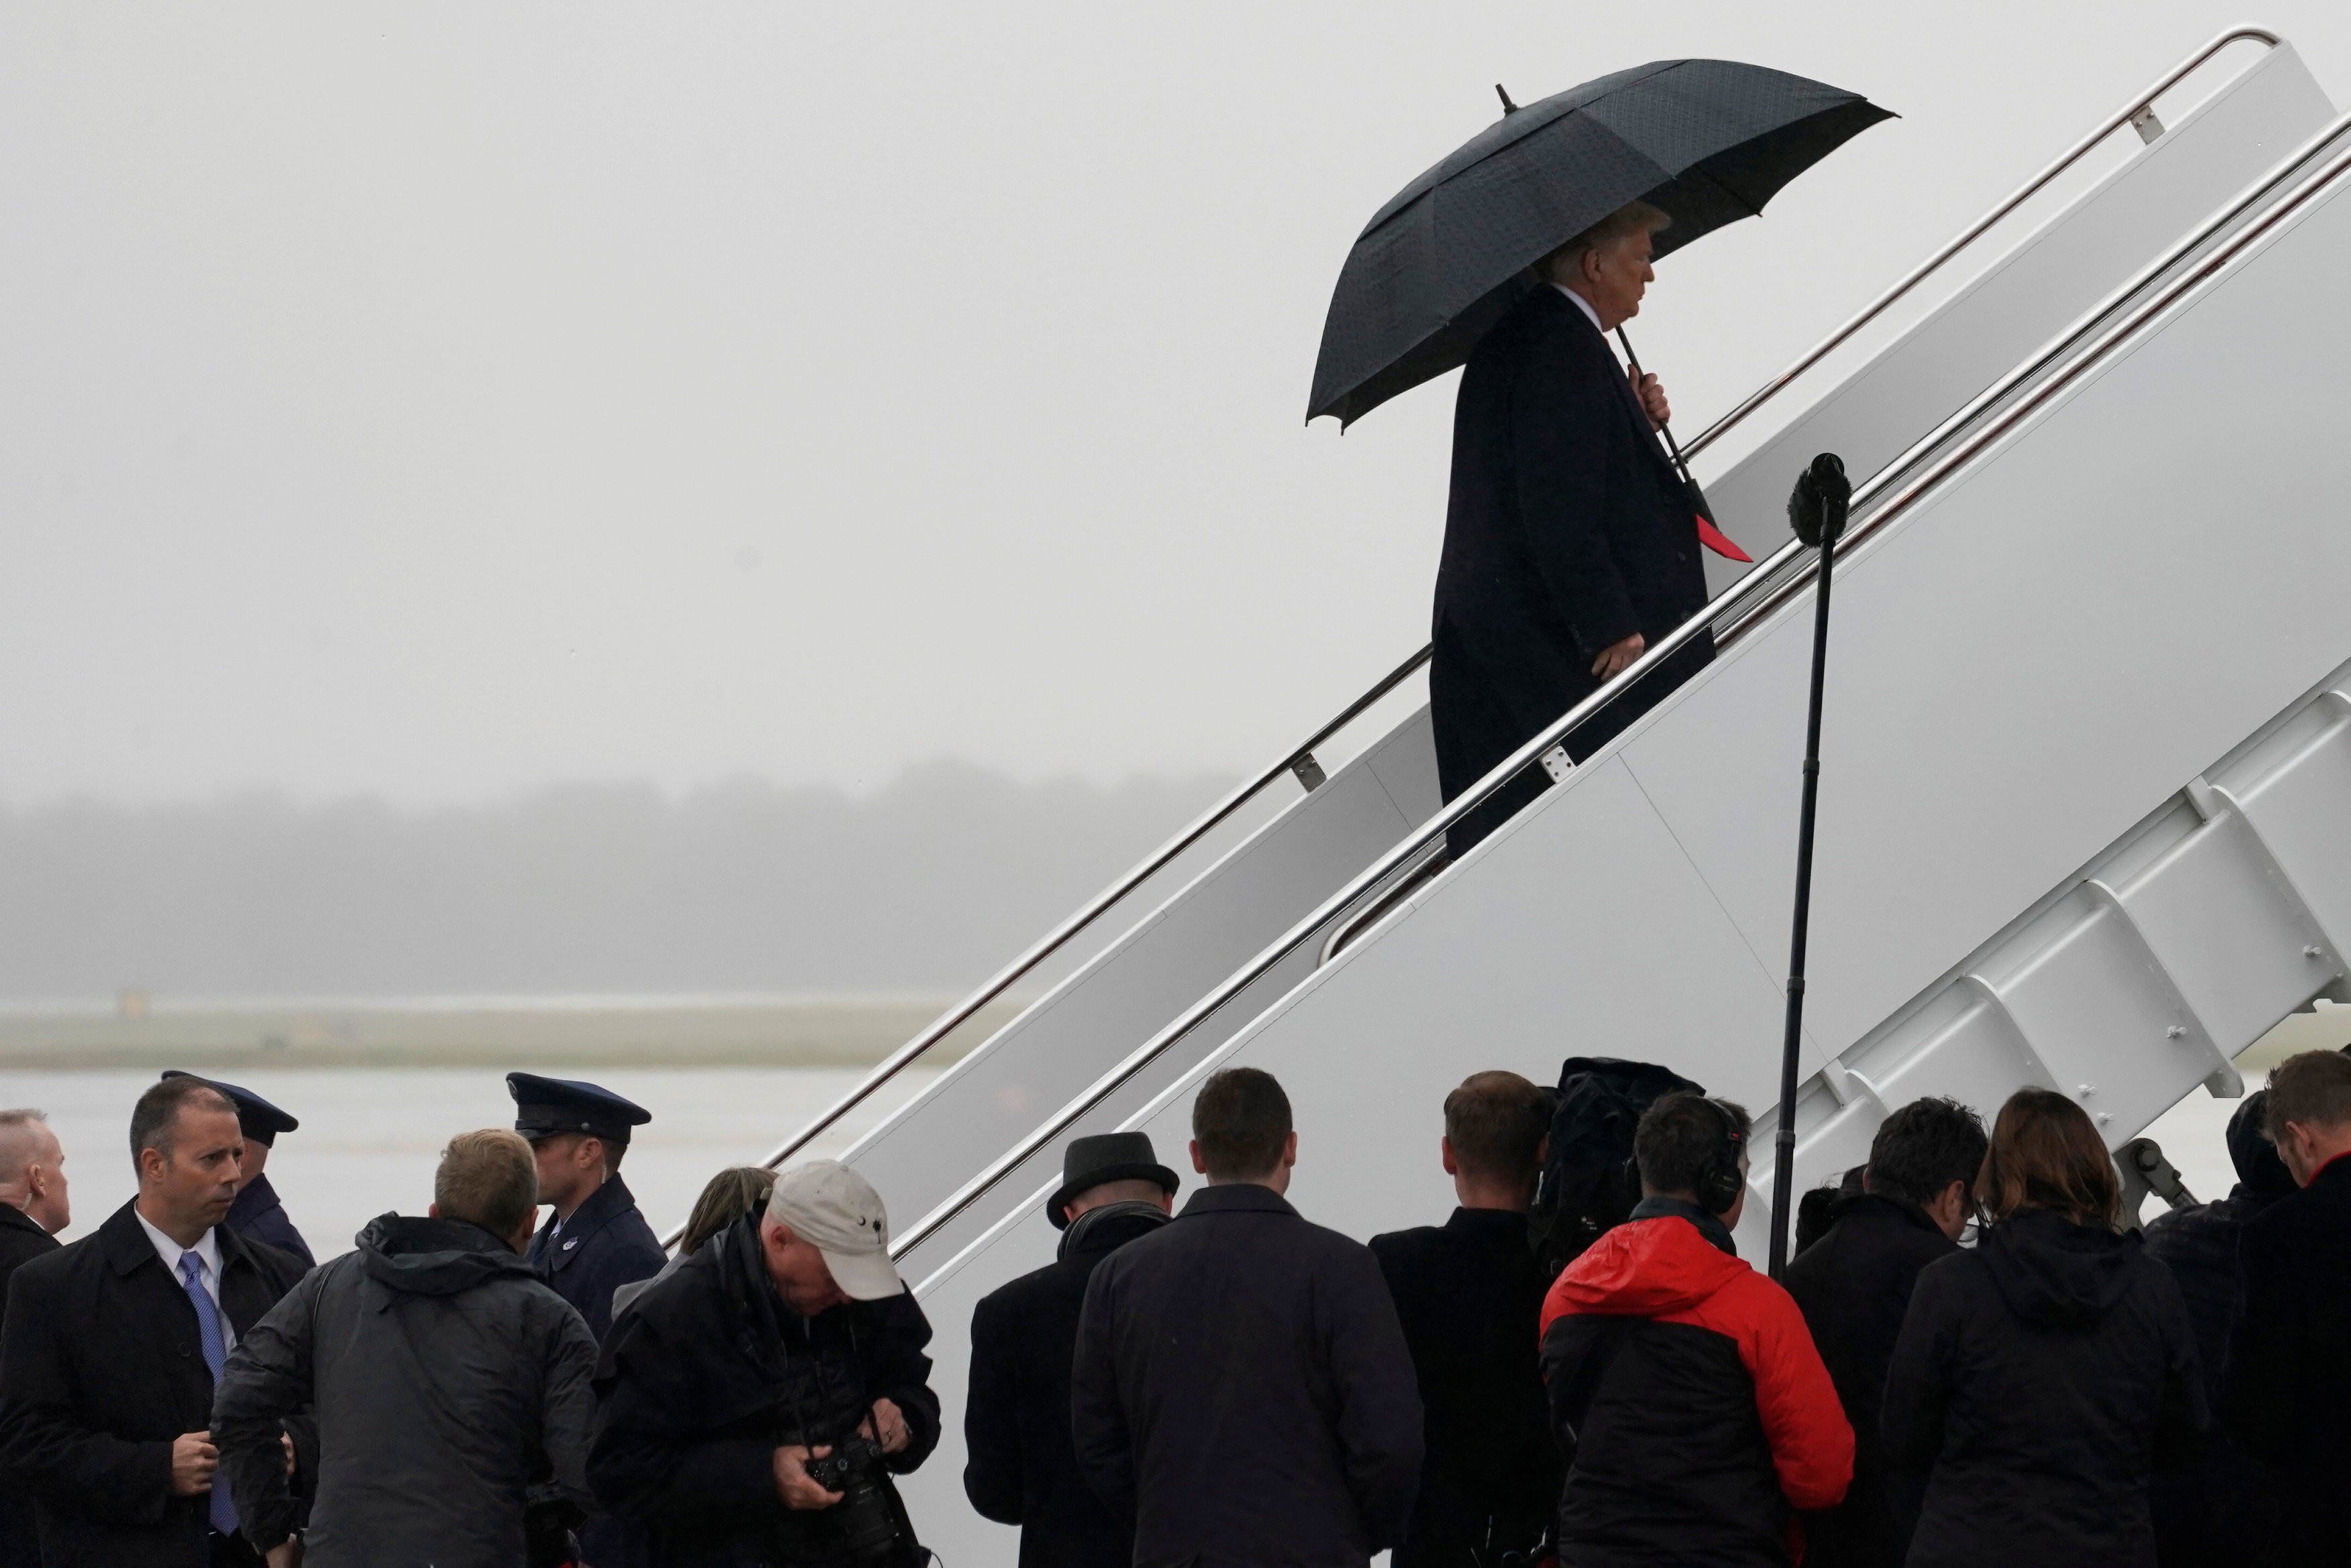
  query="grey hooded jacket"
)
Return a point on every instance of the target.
[{"x": 451, "y": 1385}]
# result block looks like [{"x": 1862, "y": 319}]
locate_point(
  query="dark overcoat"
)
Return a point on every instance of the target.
[
  {"x": 1854, "y": 1286},
  {"x": 2289, "y": 1379},
  {"x": 1566, "y": 532},
  {"x": 1470, "y": 1294},
  {"x": 703, "y": 1378},
  {"x": 2039, "y": 1382},
  {"x": 604, "y": 1245},
  {"x": 259, "y": 1216},
  {"x": 101, "y": 1369},
  {"x": 1019, "y": 1465},
  {"x": 21, "y": 1240},
  {"x": 1242, "y": 1391}
]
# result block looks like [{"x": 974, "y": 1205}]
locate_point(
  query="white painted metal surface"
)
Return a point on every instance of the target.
[
  {"x": 2086, "y": 816},
  {"x": 1125, "y": 993},
  {"x": 2048, "y": 278}
]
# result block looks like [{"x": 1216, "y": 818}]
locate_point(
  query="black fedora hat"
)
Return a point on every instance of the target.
[{"x": 1106, "y": 1157}]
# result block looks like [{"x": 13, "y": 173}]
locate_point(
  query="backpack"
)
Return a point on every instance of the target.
[{"x": 1589, "y": 1183}]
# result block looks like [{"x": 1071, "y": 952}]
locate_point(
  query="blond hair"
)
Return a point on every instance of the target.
[{"x": 1633, "y": 218}]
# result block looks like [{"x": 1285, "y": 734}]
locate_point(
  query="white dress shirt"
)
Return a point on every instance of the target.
[
  {"x": 1584, "y": 305},
  {"x": 207, "y": 1252}
]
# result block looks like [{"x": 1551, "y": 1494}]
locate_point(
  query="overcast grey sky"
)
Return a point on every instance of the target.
[{"x": 437, "y": 402}]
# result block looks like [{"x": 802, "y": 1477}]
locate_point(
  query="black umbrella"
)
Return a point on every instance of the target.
[{"x": 1709, "y": 141}]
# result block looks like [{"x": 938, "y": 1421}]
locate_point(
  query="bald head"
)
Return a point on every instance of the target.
[{"x": 33, "y": 1169}]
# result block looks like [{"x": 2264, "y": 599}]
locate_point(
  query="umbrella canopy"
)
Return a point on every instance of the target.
[{"x": 1709, "y": 141}]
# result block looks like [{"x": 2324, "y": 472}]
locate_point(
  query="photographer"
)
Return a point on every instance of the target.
[{"x": 753, "y": 1409}]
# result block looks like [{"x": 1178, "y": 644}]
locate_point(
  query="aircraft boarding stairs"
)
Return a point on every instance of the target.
[{"x": 2086, "y": 815}]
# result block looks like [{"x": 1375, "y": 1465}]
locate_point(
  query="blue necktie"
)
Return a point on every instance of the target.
[{"x": 208, "y": 1330}]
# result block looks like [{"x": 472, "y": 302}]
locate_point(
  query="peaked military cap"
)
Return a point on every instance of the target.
[
  {"x": 257, "y": 1118},
  {"x": 545, "y": 1106}
]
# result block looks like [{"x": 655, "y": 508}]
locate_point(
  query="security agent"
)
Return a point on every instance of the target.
[
  {"x": 258, "y": 1215},
  {"x": 597, "y": 1242}
]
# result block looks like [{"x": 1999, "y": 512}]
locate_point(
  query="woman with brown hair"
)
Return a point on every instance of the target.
[{"x": 2043, "y": 1377}]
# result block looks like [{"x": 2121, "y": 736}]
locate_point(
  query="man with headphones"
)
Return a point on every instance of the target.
[{"x": 1693, "y": 1410}]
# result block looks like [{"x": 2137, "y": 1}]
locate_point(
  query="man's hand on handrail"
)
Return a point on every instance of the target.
[{"x": 1617, "y": 655}]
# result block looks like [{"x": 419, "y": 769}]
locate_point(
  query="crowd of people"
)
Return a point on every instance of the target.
[{"x": 1976, "y": 1354}]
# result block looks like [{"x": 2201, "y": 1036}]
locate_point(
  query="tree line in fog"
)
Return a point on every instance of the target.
[{"x": 926, "y": 885}]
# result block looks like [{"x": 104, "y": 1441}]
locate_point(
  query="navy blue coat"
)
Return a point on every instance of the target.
[
  {"x": 257, "y": 1216},
  {"x": 1566, "y": 531},
  {"x": 101, "y": 1371},
  {"x": 21, "y": 1240},
  {"x": 605, "y": 1244}
]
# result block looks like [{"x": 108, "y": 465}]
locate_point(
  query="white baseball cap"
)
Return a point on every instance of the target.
[{"x": 837, "y": 1212}]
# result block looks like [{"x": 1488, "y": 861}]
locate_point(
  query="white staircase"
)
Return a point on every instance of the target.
[{"x": 2086, "y": 815}]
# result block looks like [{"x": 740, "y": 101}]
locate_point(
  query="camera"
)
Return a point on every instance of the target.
[{"x": 867, "y": 1515}]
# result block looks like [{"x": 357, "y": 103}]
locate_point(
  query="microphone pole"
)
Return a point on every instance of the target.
[{"x": 1816, "y": 509}]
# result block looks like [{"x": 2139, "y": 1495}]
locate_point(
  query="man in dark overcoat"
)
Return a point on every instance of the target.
[
  {"x": 1570, "y": 545},
  {"x": 2226, "y": 1512},
  {"x": 34, "y": 1207},
  {"x": 782, "y": 1338},
  {"x": 258, "y": 1215},
  {"x": 111, "y": 1347},
  {"x": 1853, "y": 1286},
  {"x": 1241, "y": 1389},
  {"x": 1019, "y": 1465},
  {"x": 2289, "y": 1378},
  {"x": 1469, "y": 1294}
]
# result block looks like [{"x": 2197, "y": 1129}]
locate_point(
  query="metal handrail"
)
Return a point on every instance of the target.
[
  {"x": 1969, "y": 446},
  {"x": 1974, "y": 232},
  {"x": 1058, "y": 937}
]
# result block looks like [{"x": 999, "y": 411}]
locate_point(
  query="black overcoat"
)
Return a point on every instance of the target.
[
  {"x": 2289, "y": 1381},
  {"x": 259, "y": 1216},
  {"x": 1019, "y": 1466},
  {"x": 605, "y": 1244},
  {"x": 101, "y": 1369},
  {"x": 21, "y": 1240},
  {"x": 1566, "y": 531},
  {"x": 1242, "y": 1390},
  {"x": 704, "y": 1377},
  {"x": 1470, "y": 1294},
  {"x": 1854, "y": 1286},
  {"x": 2039, "y": 1382}
]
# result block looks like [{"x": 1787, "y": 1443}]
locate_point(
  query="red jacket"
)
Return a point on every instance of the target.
[{"x": 1685, "y": 1388}]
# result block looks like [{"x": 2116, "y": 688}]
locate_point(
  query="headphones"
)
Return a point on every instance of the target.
[{"x": 1718, "y": 1181}]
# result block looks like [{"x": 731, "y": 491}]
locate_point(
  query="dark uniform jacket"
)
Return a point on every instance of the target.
[
  {"x": 21, "y": 1240},
  {"x": 2040, "y": 1381},
  {"x": 1854, "y": 1286},
  {"x": 1470, "y": 1294},
  {"x": 604, "y": 1245},
  {"x": 703, "y": 1378},
  {"x": 1019, "y": 1465},
  {"x": 452, "y": 1382},
  {"x": 1695, "y": 1414},
  {"x": 1242, "y": 1390},
  {"x": 101, "y": 1369},
  {"x": 259, "y": 1216},
  {"x": 2288, "y": 1397},
  {"x": 1566, "y": 532}
]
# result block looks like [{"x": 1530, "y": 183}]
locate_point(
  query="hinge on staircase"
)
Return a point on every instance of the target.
[{"x": 1310, "y": 772}]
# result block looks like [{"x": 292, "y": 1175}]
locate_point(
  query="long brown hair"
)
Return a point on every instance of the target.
[
  {"x": 737, "y": 1190},
  {"x": 2045, "y": 1153}
]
